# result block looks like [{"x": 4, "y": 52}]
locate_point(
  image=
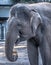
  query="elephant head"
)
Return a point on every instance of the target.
[{"x": 23, "y": 24}]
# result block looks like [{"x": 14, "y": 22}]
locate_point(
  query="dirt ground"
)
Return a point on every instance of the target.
[{"x": 22, "y": 55}]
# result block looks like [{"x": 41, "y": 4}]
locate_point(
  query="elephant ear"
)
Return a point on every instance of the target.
[{"x": 35, "y": 21}]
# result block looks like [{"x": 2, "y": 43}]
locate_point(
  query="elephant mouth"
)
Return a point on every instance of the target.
[
  {"x": 20, "y": 39},
  {"x": 23, "y": 36}
]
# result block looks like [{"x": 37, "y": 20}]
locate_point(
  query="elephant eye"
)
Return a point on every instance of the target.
[
  {"x": 19, "y": 24},
  {"x": 20, "y": 32}
]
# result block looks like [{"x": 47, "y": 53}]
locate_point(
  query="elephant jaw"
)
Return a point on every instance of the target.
[{"x": 26, "y": 37}]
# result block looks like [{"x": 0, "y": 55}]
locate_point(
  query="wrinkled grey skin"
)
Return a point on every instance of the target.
[{"x": 31, "y": 22}]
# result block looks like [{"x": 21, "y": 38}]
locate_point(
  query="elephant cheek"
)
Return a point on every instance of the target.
[{"x": 9, "y": 46}]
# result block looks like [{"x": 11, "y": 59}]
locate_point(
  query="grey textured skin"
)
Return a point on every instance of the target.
[{"x": 31, "y": 22}]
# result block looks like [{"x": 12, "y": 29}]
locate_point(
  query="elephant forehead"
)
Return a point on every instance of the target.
[{"x": 23, "y": 25}]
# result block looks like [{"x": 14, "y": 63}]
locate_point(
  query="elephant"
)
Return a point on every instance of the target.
[{"x": 30, "y": 22}]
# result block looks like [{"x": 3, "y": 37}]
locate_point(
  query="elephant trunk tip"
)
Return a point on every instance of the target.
[
  {"x": 11, "y": 54},
  {"x": 12, "y": 57}
]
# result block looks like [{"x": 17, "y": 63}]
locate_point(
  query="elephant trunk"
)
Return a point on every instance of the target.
[{"x": 9, "y": 46}]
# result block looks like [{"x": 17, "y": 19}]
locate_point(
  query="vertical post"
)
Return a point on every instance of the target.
[{"x": 2, "y": 32}]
